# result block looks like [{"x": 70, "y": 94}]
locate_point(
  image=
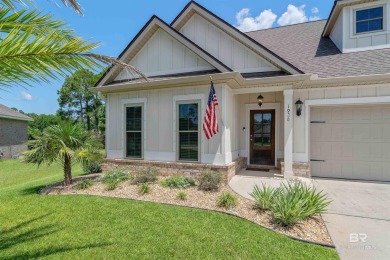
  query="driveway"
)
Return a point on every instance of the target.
[{"x": 358, "y": 219}]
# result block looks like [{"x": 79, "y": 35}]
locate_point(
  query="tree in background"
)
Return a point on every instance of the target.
[
  {"x": 77, "y": 102},
  {"x": 65, "y": 144}
]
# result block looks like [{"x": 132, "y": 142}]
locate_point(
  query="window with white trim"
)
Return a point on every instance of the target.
[
  {"x": 369, "y": 20},
  {"x": 188, "y": 131},
  {"x": 134, "y": 133}
]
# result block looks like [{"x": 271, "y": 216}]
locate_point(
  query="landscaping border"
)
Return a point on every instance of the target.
[{"x": 46, "y": 189}]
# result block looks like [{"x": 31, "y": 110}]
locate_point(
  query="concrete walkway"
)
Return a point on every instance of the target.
[{"x": 358, "y": 218}]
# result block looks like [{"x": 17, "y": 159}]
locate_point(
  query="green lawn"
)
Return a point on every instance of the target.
[{"x": 80, "y": 227}]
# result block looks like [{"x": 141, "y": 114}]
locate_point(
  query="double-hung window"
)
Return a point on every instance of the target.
[
  {"x": 369, "y": 20},
  {"x": 134, "y": 131},
  {"x": 188, "y": 131}
]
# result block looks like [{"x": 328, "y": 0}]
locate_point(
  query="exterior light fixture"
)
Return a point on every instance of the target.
[
  {"x": 260, "y": 100},
  {"x": 299, "y": 105}
]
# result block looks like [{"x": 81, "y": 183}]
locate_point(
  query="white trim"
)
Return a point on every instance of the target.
[
  {"x": 107, "y": 132},
  {"x": 305, "y": 157},
  {"x": 128, "y": 103},
  {"x": 190, "y": 97},
  {"x": 251, "y": 90},
  {"x": 16, "y": 118},
  {"x": 263, "y": 69},
  {"x": 265, "y": 106},
  {"x": 368, "y": 48}
]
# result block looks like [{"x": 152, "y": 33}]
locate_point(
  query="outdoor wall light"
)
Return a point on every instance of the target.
[
  {"x": 299, "y": 105},
  {"x": 260, "y": 100}
]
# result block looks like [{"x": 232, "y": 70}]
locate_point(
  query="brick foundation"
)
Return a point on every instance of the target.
[
  {"x": 299, "y": 169},
  {"x": 176, "y": 168}
]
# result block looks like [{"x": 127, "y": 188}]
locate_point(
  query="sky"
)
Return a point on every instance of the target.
[{"x": 114, "y": 23}]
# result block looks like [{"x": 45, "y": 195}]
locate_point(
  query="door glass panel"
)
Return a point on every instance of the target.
[{"x": 262, "y": 152}]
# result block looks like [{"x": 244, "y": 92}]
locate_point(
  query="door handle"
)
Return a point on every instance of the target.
[{"x": 313, "y": 160}]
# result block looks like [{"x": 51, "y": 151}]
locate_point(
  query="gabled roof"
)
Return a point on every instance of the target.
[
  {"x": 146, "y": 32},
  {"x": 8, "y": 113},
  {"x": 193, "y": 7},
  {"x": 312, "y": 53}
]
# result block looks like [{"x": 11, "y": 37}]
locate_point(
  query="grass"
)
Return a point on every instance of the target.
[{"x": 86, "y": 227}]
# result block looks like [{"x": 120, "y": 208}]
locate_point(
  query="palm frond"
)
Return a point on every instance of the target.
[
  {"x": 34, "y": 21},
  {"x": 25, "y": 57},
  {"x": 13, "y": 4}
]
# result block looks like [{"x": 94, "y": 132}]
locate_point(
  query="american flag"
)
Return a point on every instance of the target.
[{"x": 210, "y": 123}]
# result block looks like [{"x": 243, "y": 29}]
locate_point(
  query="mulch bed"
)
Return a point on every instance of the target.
[{"x": 312, "y": 229}]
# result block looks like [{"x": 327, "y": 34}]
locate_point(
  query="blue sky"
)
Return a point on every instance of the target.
[{"x": 114, "y": 23}]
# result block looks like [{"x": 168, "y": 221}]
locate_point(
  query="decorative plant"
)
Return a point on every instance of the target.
[
  {"x": 180, "y": 182},
  {"x": 226, "y": 200}
]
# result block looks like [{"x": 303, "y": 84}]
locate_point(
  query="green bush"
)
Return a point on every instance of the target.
[
  {"x": 146, "y": 175},
  {"x": 210, "y": 181},
  {"x": 92, "y": 167},
  {"x": 295, "y": 202},
  {"x": 84, "y": 184},
  {"x": 114, "y": 177},
  {"x": 226, "y": 200},
  {"x": 180, "y": 182},
  {"x": 263, "y": 196},
  {"x": 181, "y": 195},
  {"x": 144, "y": 188}
]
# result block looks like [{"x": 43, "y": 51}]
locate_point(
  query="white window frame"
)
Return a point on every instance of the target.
[
  {"x": 384, "y": 19},
  {"x": 187, "y": 99},
  {"x": 136, "y": 102}
]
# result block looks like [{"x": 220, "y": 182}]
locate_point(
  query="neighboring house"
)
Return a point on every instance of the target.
[
  {"x": 13, "y": 132},
  {"x": 339, "y": 68}
]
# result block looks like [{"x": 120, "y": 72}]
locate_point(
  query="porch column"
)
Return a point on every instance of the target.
[{"x": 288, "y": 133}]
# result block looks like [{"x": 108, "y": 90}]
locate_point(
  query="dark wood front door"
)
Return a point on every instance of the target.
[{"x": 262, "y": 137}]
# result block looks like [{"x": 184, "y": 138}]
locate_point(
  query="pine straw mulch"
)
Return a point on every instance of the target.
[{"x": 312, "y": 229}]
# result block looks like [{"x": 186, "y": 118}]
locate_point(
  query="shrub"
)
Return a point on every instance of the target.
[
  {"x": 84, "y": 184},
  {"x": 92, "y": 167},
  {"x": 146, "y": 175},
  {"x": 180, "y": 182},
  {"x": 181, "y": 195},
  {"x": 144, "y": 188},
  {"x": 295, "y": 202},
  {"x": 226, "y": 200},
  {"x": 210, "y": 181},
  {"x": 114, "y": 177},
  {"x": 263, "y": 196}
]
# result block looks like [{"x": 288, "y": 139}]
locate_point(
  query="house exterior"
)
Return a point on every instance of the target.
[
  {"x": 13, "y": 132},
  {"x": 339, "y": 68}
]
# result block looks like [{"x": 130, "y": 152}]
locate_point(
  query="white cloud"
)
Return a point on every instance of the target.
[
  {"x": 247, "y": 23},
  {"x": 26, "y": 96},
  {"x": 315, "y": 10},
  {"x": 293, "y": 15},
  {"x": 314, "y": 18}
]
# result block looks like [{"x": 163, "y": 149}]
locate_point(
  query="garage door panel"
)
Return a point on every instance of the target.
[{"x": 351, "y": 142}]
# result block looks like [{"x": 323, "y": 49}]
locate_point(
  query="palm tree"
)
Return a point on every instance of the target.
[
  {"x": 64, "y": 144},
  {"x": 35, "y": 47}
]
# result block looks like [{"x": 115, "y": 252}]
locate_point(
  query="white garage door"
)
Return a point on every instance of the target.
[{"x": 350, "y": 142}]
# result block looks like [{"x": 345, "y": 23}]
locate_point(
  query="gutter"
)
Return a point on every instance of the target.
[
  {"x": 233, "y": 79},
  {"x": 16, "y": 118}
]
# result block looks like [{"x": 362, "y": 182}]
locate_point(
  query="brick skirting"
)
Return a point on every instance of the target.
[
  {"x": 176, "y": 168},
  {"x": 299, "y": 169}
]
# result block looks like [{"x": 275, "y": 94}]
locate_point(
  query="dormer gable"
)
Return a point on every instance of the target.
[{"x": 356, "y": 25}]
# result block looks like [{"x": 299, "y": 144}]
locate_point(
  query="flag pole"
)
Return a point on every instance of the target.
[{"x": 219, "y": 109}]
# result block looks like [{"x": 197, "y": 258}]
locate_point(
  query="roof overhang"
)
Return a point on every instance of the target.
[
  {"x": 336, "y": 10},
  {"x": 144, "y": 35},
  {"x": 234, "y": 79},
  {"x": 16, "y": 118},
  {"x": 193, "y": 7}
]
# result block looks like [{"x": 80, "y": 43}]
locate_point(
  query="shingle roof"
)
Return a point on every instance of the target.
[
  {"x": 302, "y": 46},
  {"x": 6, "y": 112}
]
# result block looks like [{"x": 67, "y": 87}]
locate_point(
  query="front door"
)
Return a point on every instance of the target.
[{"x": 262, "y": 137}]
